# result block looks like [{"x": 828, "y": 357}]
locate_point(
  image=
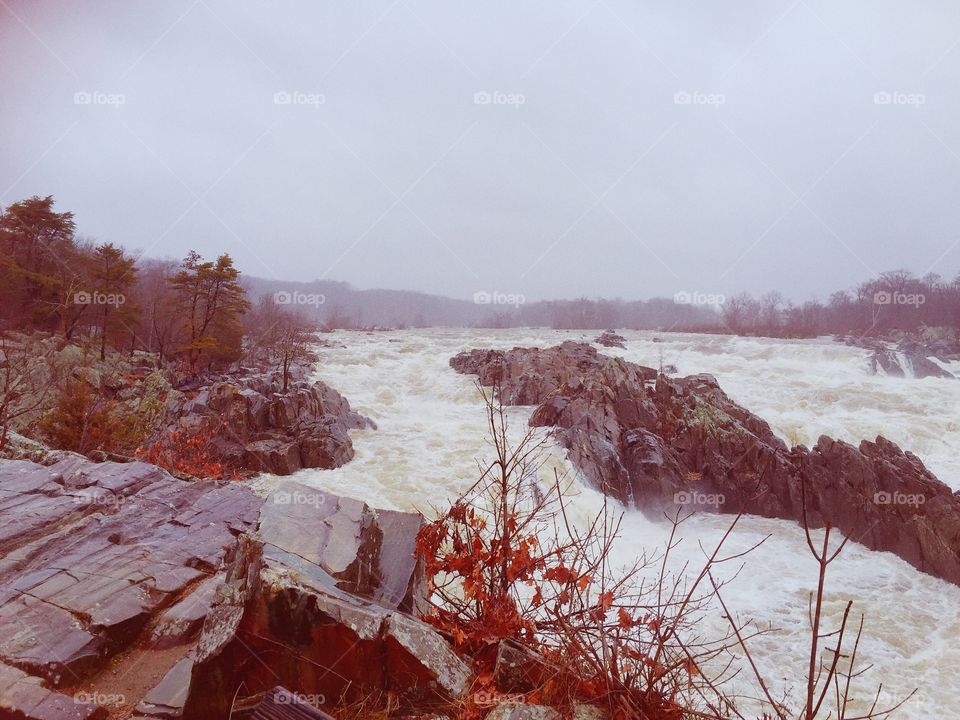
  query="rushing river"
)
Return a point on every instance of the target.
[{"x": 431, "y": 433}]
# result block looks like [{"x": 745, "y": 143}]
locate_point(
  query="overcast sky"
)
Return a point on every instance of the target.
[{"x": 554, "y": 149}]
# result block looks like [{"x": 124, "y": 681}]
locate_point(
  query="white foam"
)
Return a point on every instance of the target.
[{"x": 432, "y": 432}]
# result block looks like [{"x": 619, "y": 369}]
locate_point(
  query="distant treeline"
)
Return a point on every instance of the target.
[
  {"x": 198, "y": 310},
  {"x": 894, "y": 300}
]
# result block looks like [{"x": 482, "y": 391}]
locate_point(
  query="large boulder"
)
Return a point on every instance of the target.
[
  {"x": 681, "y": 444},
  {"x": 316, "y": 601},
  {"x": 254, "y": 425},
  {"x": 101, "y": 563}
]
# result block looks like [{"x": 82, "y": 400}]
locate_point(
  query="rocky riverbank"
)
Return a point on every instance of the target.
[
  {"x": 123, "y": 406},
  {"x": 128, "y": 590},
  {"x": 681, "y": 444},
  {"x": 249, "y": 423}
]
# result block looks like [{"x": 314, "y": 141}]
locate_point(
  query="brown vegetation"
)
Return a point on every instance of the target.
[{"x": 506, "y": 563}]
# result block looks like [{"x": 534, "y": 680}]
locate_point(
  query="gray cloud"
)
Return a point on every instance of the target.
[{"x": 627, "y": 149}]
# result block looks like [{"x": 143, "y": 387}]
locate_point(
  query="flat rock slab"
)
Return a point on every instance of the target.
[
  {"x": 365, "y": 551},
  {"x": 23, "y": 697},
  {"x": 166, "y": 700},
  {"x": 91, "y": 553}
]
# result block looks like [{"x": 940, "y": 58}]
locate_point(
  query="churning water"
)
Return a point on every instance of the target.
[{"x": 431, "y": 433}]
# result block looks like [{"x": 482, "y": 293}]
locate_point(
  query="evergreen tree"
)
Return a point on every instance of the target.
[{"x": 210, "y": 302}]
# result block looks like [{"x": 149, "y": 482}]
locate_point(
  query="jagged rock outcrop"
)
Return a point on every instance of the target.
[
  {"x": 326, "y": 612},
  {"x": 255, "y": 425},
  {"x": 90, "y": 552},
  {"x": 524, "y": 376},
  {"x": 909, "y": 363},
  {"x": 909, "y": 356},
  {"x": 676, "y": 443}
]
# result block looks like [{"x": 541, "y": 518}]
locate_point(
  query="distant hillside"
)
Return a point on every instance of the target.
[{"x": 337, "y": 304}]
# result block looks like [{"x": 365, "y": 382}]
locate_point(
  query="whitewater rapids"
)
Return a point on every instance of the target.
[{"x": 431, "y": 433}]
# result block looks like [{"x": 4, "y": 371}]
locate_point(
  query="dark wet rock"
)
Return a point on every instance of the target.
[
  {"x": 518, "y": 669},
  {"x": 307, "y": 588},
  {"x": 610, "y": 339},
  {"x": 284, "y": 599},
  {"x": 182, "y": 622},
  {"x": 908, "y": 355},
  {"x": 257, "y": 426},
  {"x": 364, "y": 551},
  {"x": 896, "y": 363},
  {"x": 681, "y": 444},
  {"x": 92, "y": 552},
  {"x": 527, "y": 376}
]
